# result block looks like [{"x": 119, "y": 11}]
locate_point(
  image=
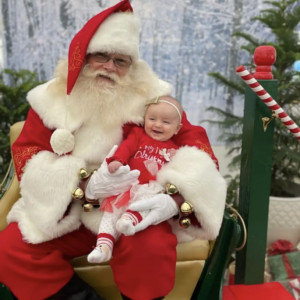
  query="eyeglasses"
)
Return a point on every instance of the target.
[{"x": 119, "y": 62}]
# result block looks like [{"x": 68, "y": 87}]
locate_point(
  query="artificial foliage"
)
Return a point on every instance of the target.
[
  {"x": 14, "y": 86},
  {"x": 282, "y": 18}
]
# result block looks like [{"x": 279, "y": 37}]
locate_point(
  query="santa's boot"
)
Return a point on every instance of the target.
[{"x": 76, "y": 289}]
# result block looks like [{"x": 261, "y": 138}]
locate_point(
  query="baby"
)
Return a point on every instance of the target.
[{"x": 145, "y": 149}]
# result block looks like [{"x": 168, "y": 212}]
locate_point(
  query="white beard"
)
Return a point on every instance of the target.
[
  {"x": 113, "y": 104},
  {"x": 94, "y": 97}
]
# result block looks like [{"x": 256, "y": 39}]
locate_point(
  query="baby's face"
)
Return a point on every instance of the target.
[{"x": 161, "y": 121}]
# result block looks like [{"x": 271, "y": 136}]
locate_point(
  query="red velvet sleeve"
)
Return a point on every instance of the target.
[
  {"x": 128, "y": 146},
  {"x": 191, "y": 135},
  {"x": 33, "y": 138}
]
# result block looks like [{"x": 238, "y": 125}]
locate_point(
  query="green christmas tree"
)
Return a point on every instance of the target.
[{"x": 282, "y": 18}]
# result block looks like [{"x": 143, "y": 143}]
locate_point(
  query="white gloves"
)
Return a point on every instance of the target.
[
  {"x": 104, "y": 184},
  {"x": 161, "y": 207}
]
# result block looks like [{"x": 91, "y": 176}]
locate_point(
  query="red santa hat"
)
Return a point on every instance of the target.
[{"x": 114, "y": 30}]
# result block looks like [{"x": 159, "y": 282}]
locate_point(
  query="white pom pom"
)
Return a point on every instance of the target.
[{"x": 62, "y": 141}]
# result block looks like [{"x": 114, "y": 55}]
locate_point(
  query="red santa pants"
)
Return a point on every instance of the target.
[{"x": 37, "y": 271}]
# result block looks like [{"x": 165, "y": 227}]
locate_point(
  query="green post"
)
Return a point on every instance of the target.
[{"x": 255, "y": 181}]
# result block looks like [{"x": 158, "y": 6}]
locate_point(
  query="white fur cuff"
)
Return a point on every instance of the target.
[{"x": 196, "y": 176}]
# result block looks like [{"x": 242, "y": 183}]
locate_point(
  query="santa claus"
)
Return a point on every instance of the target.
[{"x": 95, "y": 98}]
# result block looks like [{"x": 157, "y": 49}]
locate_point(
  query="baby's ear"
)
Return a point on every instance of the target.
[{"x": 178, "y": 128}]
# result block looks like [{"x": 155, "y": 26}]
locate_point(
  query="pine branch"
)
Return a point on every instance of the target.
[
  {"x": 251, "y": 39},
  {"x": 224, "y": 80}
]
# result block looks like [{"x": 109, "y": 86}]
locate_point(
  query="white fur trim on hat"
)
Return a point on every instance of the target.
[
  {"x": 62, "y": 141},
  {"x": 119, "y": 33}
]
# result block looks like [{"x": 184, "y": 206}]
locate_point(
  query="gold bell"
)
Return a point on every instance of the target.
[
  {"x": 88, "y": 207},
  {"x": 77, "y": 194},
  {"x": 186, "y": 208},
  {"x": 83, "y": 173},
  {"x": 171, "y": 189},
  {"x": 185, "y": 222}
]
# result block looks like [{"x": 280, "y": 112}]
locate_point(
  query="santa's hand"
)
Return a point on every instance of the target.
[
  {"x": 161, "y": 207},
  {"x": 104, "y": 184}
]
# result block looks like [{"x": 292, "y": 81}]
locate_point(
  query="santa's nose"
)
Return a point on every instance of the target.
[{"x": 109, "y": 65}]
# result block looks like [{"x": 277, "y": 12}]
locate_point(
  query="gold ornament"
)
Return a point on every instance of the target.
[
  {"x": 88, "y": 207},
  {"x": 185, "y": 222},
  {"x": 171, "y": 189},
  {"x": 83, "y": 173},
  {"x": 186, "y": 208},
  {"x": 77, "y": 194}
]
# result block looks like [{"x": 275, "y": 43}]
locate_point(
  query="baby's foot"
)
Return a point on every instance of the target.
[
  {"x": 101, "y": 253},
  {"x": 125, "y": 226}
]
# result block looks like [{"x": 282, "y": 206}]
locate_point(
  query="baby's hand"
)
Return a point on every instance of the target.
[{"x": 114, "y": 166}]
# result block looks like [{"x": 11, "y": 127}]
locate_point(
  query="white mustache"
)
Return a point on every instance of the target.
[
  {"x": 95, "y": 73},
  {"x": 90, "y": 73},
  {"x": 106, "y": 75}
]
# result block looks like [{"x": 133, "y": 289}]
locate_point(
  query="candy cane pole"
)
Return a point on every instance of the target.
[{"x": 268, "y": 100}]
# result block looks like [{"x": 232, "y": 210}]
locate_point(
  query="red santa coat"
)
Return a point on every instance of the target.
[{"x": 47, "y": 178}]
